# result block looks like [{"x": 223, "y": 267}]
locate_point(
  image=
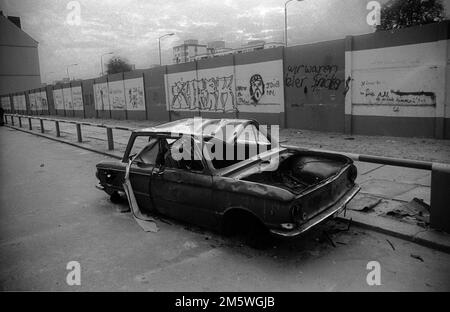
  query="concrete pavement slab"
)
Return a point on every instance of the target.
[
  {"x": 364, "y": 167},
  {"x": 385, "y": 188},
  {"x": 420, "y": 192},
  {"x": 424, "y": 181},
  {"x": 398, "y": 174}
]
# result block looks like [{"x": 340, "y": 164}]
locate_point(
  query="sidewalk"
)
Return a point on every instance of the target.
[
  {"x": 393, "y": 200},
  {"x": 424, "y": 149}
]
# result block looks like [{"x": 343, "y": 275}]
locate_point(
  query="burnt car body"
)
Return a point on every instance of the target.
[{"x": 287, "y": 190}]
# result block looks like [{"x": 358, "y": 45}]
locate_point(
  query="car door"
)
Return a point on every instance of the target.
[
  {"x": 183, "y": 191},
  {"x": 141, "y": 174}
]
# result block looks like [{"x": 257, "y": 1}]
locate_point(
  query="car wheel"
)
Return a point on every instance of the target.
[
  {"x": 257, "y": 236},
  {"x": 248, "y": 229},
  {"x": 115, "y": 197}
]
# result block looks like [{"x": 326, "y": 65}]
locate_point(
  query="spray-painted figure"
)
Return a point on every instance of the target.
[{"x": 256, "y": 88}]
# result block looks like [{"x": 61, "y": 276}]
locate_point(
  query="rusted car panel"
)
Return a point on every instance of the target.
[{"x": 288, "y": 190}]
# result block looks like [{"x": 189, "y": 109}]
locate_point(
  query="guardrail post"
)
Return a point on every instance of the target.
[
  {"x": 30, "y": 126},
  {"x": 20, "y": 122},
  {"x": 80, "y": 139},
  {"x": 12, "y": 120},
  {"x": 58, "y": 133},
  {"x": 109, "y": 135},
  {"x": 440, "y": 197},
  {"x": 42, "y": 125}
]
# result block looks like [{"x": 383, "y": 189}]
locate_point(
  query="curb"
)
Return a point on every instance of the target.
[{"x": 427, "y": 238}]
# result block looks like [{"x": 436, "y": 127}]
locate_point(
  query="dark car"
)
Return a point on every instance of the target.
[{"x": 285, "y": 190}]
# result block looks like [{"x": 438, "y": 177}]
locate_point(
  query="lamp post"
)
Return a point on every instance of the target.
[
  {"x": 67, "y": 69},
  {"x": 101, "y": 59},
  {"x": 285, "y": 21},
  {"x": 159, "y": 45}
]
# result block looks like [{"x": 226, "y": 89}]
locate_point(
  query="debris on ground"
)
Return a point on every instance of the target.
[
  {"x": 415, "y": 210},
  {"x": 417, "y": 257},
  {"x": 364, "y": 203},
  {"x": 370, "y": 207},
  {"x": 329, "y": 239}
]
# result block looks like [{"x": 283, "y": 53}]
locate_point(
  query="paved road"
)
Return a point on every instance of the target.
[{"x": 51, "y": 213}]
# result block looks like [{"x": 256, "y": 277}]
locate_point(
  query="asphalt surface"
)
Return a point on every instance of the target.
[{"x": 51, "y": 214}]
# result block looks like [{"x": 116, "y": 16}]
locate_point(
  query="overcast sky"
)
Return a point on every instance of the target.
[{"x": 130, "y": 28}]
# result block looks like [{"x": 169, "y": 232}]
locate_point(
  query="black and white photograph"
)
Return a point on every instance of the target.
[{"x": 224, "y": 152}]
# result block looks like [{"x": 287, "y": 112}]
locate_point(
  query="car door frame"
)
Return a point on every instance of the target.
[{"x": 170, "y": 184}]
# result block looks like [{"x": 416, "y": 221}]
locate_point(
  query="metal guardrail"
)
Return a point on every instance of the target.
[
  {"x": 78, "y": 124},
  {"x": 399, "y": 162},
  {"x": 440, "y": 173}
]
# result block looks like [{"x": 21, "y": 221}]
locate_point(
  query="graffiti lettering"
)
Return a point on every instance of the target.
[
  {"x": 317, "y": 77},
  {"x": 392, "y": 97},
  {"x": 213, "y": 94}
]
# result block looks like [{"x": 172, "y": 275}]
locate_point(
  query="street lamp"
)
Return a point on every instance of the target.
[
  {"x": 101, "y": 59},
  {"x": 285, "y": 21},
  {"x": 67, "y": 69},
  {"x": 159, "y": 45}
]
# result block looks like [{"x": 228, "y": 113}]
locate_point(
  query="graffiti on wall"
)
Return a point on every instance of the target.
[
  {"x": 43, "y": 100},
  {"x": 101, "y": 96},
  {"x": 383, "y": 92},
  {"x": 134, "y": 94},
  {"x": 6, "y": 103},
  {"x": 19, "y": 102},
  {"x": 120, "y": 95},
  {"x": 77, "y": 98},
  {"x": 207, "y": 94},
  {"x": 116, "y": 95},
  {"x": 374, "y": 93},
  {"x": 253, "y": 87},
  {"x": 32, "y": 100},
  {"x": 253, "y": 93},
  {"x": 38, "y": 101},
  {"x": 313, "y": 78},
  {"x": 67, "y": 97},
  {"x": 259, "y": 87},
  {"x": 58, "y": 99}
]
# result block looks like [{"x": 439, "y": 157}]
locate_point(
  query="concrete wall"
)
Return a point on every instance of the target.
[
  {"x": 155, "y": 94},
  {"x": 386, "y": 83},
  {"x": 245, "y": 86},
  {"x": 315, "y": 86},
  {"x": 399, "y": 82}
]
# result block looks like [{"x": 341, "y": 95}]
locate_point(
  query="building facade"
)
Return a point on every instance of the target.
[
  {"x": 19, "y": 59},
  {"x": 187, "y": 51},
  {"x": 251, "y": 46}
]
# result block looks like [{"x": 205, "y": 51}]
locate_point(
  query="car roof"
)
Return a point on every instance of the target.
[{"x": 197, "y": 126}]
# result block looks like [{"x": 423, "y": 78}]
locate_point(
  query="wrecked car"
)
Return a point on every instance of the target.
[{"x": 228, "y": 174}]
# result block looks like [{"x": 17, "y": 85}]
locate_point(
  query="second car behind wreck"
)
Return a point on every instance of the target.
[{"x": 285, "y": 190}]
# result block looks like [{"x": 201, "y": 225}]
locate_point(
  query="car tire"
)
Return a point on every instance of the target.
[
  {"x": 115, "y": 197},
  {"x": 247, "y": 229}
]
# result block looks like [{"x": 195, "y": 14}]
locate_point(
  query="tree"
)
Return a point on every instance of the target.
[
  {"x": 397, "y": 14},
  {"x": 118, "y": 65}
]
